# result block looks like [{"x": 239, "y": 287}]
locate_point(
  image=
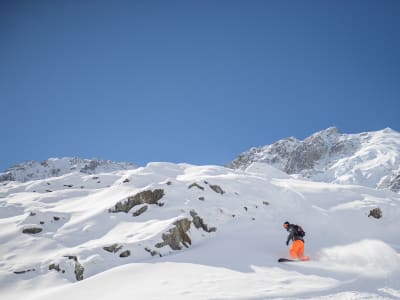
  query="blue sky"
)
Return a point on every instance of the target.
[{"x": 191, "y": 81}]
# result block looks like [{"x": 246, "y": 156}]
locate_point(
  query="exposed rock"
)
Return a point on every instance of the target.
[
  {"x": 90, "y": 167},
  {"x": 113, "y": 248},
  {"x": 68, "y": 185},
  {"x": 79, "y": 269},
  {"x": 56, "y": 218},
  {"x": 149, "y": 197},
  {"x": 152, "y": 252},
  {"x": 196, "y": 185},
  {"x": 201, "y": 198},
  {"x": 177, "y": 236},
  {"x": 126, "y": 180},
  {"x": 376, "y": 213},
  {"x": 311, "y": 150},
  {"x": 276, "y": 154},
  {"x": 125, "y": 253},
  {"x": 55, "y": 267},
  {"x": 265, "y": 202},
  {"x": 32, "y": 230},
  {"x": 217, "y": 189},
  {"x": 199, "y": 223},
  {"x": 6, "y": 177},
  {"x": 24, "y": 271},
  {"x": 49, "y": 191},
  {"x": 140, "y": 211}
]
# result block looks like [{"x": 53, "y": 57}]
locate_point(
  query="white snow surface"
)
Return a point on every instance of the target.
[{"x": 353, "y": 256}]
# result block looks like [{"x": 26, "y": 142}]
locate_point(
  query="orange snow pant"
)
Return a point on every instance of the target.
[{"x": 297, "y": 250}]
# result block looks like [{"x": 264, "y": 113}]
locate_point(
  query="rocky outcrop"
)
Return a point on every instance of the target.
[
  {"x": 24, "y": 271},
  {"x": 276, "y": 154},
  {"x": 217, "y": 189},
  {"x": 79, "y": 269},
  {"x": 196, "y": 185},
  {"x": 32, "y": 230},
  {"x": 126, "y": 253},
  {"x": 145, "y": 197},
  {"x": 6, "y": 177},
  {"x": 113, "y": 248},
  {"x": 376, "y": 213},
  {"x": 177, "y": 236},
  {"x": 140, "y": 211},
  {"x": 152, "y": 252},
  {"x": 55, "y": 267},
  {"x": 312, "y": 149},
  {"x": 199, "y": 223}
]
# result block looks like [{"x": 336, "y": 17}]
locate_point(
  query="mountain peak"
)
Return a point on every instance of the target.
[{"x": 369, "y": 158}]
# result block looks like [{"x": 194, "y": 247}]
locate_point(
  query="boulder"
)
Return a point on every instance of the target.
[
  {"x": 79, "y": 269},
  {"x": 55, "y": 267},
  {"x": 177, "y": 236},
  {"x": 125, "y": 253},
  {"x": 199, "y": 223},
  {"x": 113, "y": 248},
  {"x": 376, "y": 213},
  {"x": 32, "y": 230},
  {"x": 217, "y": 189},
  {"x": 148, "y": 197}
]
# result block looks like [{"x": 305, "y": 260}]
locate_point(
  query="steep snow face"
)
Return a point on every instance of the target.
[
  {"x": 371, "y": 159},
  {"x": 53, "y": 167}
]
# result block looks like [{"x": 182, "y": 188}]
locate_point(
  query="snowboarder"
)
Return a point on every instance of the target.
[{"x": 296, "y": 234}]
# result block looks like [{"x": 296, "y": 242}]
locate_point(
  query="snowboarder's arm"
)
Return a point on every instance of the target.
[{"x": 290, "y": 236}]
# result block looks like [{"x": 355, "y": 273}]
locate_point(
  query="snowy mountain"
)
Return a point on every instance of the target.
[
  {"x": 178, "y": 231},
  {"x": 53, "y": 167},
  {"x": 370, "y": 159}
]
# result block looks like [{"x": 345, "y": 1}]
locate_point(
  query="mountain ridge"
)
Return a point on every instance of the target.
[
  {"x": 370, "y": 158},
  {"x": 54, "y": 167}
]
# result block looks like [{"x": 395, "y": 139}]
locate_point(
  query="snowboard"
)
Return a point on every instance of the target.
[
  {"x": 286, "y": 260},
  {"x": 293, "y": 260}
]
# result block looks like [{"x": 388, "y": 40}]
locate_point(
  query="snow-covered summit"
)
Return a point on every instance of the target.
[
  {"x": 53, "y": 167},
  {"x": 370, "y": 158}
]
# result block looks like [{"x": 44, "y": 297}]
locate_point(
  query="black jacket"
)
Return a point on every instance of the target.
[{"x": 293, "y": 234}]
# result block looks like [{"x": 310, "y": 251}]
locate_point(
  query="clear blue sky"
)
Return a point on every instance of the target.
[{"x": 191, "y": 81}]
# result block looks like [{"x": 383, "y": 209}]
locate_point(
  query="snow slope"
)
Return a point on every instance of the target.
[
  {"x": 370, "y": 159},
  {"x": 225, "y": 226}
]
